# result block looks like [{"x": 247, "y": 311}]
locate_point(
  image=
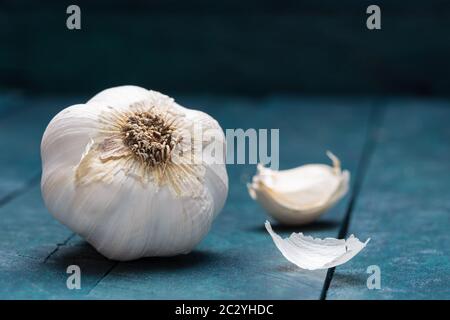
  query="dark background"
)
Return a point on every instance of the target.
[{"x": 238, "y": 47}]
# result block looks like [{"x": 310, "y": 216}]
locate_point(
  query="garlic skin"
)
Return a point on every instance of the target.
[
  {"x": 300, "y": 195},
  {"x": 313, "y": 253},
  {"x": 129, "y": 191}
]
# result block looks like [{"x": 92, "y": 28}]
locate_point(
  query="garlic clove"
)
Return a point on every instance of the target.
[
  {"x": 312, "y": 253},
  {"x": 300, "y": 195},
  {"x": 216, "y": 174},
  {"x": 77, "y": 123},
  {"x": 121, "y": 97}
]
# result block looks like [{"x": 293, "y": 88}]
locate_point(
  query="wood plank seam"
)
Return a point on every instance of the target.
[
  {"x": 116, "y": 263},
  {"x": 375, "y": 122},
  {"x": 403, "y": 207},
  {"x": 58, "y": 246}
]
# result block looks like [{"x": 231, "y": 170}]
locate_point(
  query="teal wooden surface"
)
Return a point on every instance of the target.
[
  {"x": 28, "y": 239},
  {"x": 21, "y": 128},
  {"x": 404, "y": 206},
  {"x": 236, "y": 260},
  {"x": 401, "y": 205}
]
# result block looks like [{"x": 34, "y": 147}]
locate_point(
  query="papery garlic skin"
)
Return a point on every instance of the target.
[
  {"x": 313, "y": 253},
  {"x": 127, "y": 207},
  {"x": 299, "y": 196}
]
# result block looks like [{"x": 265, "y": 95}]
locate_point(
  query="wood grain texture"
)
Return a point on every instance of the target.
[
  {"x": 30, "y": 265},
  {"x": 404, "y": 207},
  {"x": 236, "y": 260}
]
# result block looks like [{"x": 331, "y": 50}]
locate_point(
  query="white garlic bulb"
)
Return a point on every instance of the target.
[
  {"x": 300, "y": 195},
  {"x": 119, "y": 171}
]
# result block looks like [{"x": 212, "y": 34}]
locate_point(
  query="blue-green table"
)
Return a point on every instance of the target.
[{"x": 398, "y": 151}]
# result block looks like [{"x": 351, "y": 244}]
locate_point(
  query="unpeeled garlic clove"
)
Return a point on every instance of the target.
[{"x": 300, "y": 195}]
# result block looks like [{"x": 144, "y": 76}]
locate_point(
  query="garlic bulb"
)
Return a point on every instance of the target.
[
  {"x": 119, "y": 171},
  {"x": 300, "y": 195},
  {"x": 313, "y": 253}
]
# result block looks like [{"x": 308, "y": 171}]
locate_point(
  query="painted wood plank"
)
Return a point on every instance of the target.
[
  {"x": 21, "y": 133},
  {"x": 29, "y": 234},
  {"x": 238, "y": 260},
  {"x": 29, "y": 237},
  {"x": 404, "y": 207}
]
